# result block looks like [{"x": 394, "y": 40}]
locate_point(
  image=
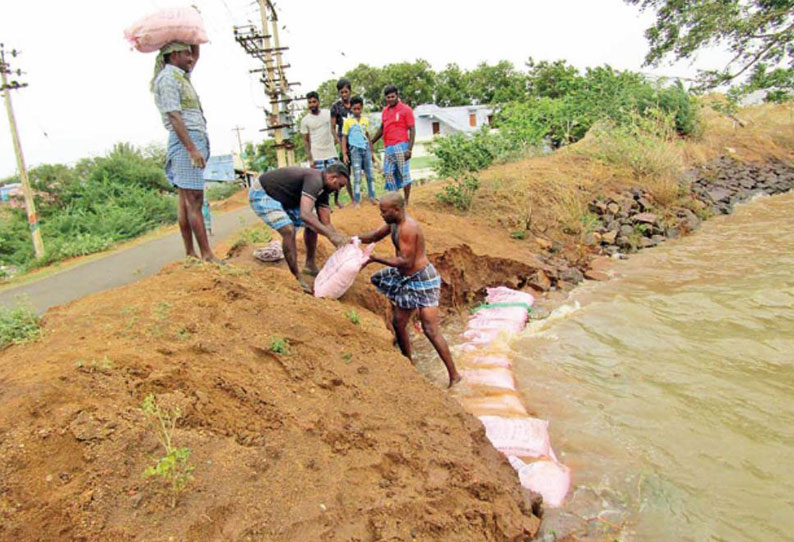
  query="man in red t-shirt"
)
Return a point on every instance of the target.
[{"x": 399, "y": 132}]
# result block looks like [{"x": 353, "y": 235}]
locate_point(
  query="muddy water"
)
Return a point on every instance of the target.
[{"x": 670, "y": 389}]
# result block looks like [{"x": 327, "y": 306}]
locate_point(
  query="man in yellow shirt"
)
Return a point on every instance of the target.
[{"x": 356, "y": 141}]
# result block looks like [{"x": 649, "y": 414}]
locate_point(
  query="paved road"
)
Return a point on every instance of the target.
[{"x": 118, "y": 268}]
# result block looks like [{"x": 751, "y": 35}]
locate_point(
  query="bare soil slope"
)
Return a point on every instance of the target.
[{"x": 337, "y": 439}]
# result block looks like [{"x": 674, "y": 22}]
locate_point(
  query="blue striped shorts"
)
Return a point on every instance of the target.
[
  {"x": 396, "y": 169},
  {"x": 179, "y": 170},
  {"x": 272, "y": 211},
  {"x": 422, "y": 289}
]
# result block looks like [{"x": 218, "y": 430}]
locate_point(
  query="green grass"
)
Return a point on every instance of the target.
[
  {"x": 18, "y": 325},
  {"x": 422, "y": 162},
  {"x": 221, "y": 191}
]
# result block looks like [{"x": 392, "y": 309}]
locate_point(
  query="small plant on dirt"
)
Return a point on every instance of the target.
[
  {"x": 460, "y": 192},
  {"x": 252, "y": 236},
  {"x": 104, "y": 365},
  {"x": 18, "y": 325},
  {"x": 519, "y": 234},
  {"x": 161, "y": 310},
  {"x": 174, "y": 467},
  {"x": 347, "y": 357},
  {"x": 279, "y": 345},
  {"x": 353, "y": 317}
]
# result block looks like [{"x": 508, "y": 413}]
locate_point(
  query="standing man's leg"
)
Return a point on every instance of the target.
[
  {"x": 310, "y": 238},
  {"x": 355, "y": 161},
  {"x": 429, "y": 318},
  {"x": 404, "y": 173},
  {"x": 194, "y": 200},
  {"x": 367, "y": 156},
  {"x": 290, "y": 247},
  {"x": 184, "y": 224},
  {"x": 401, "y": 317}
]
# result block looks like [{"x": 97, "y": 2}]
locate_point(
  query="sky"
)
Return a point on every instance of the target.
[{"x": 88, "y": 89}]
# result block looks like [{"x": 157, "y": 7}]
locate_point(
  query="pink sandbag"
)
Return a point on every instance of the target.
[
  {"x": 503, "y": 404},
  {"x": 495, "y": 378},
  {"x": 154, "y": 31},
  {"x": 513, "y": 314},
  {"x": 495, "y": 360},
  {"x": 481, "y": 336},
  {"x": 522, "y": 437},
  {"x": 545, "y": 476},
  {"x": 484, "y": 322},
  {"x": 502, "y": 294},
  {"x": 340, "y": 271}
]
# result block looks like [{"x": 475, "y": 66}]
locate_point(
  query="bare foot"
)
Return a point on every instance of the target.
[
  {"x": 357, "y": 205},
  {"x": 311, "y": 270},
  {"x": 215, "y": 260},
  {"x": 340, "y": 205},
  {"x": 373, "y": 201},
  {"x": 305, "y": 286},
  {"x": 454, "y": 379}
]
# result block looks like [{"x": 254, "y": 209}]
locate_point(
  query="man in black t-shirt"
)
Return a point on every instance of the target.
[
  {"x": 288, "y": 198},
  {"x": 340, "y": 110}
]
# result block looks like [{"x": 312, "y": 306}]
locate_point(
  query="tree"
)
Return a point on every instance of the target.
[
  {"x": 495, "y": 84},
  {"x": 551, "y": 79},
  {"x": 759, "y": 33},
  {"x": 452, "y": 87}
]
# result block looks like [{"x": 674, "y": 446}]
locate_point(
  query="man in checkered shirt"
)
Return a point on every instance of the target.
[
  {"x": 188, "y": 144},
  {"x": 410, "y": 281}
]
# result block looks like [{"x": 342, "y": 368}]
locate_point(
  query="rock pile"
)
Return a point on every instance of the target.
[
  {"x": 630, "y": 221},
  {"x": 726, "y": 182}
]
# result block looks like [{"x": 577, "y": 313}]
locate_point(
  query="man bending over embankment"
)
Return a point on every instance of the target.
[
  {"x": 287, "y": 198},
  {"x": 411, "y": 282}
]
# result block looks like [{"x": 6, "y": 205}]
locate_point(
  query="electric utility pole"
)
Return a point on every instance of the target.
[
  {"x": 257, "y": 43},
  {"x": 239, "y": 129},
  {"x": 30, "y": 206}
]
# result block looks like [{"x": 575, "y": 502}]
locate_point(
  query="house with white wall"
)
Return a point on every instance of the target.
[{"x": 432, "y": 120}]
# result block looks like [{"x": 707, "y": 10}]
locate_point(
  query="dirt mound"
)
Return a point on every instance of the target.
[{"x": 338, "y": 438}]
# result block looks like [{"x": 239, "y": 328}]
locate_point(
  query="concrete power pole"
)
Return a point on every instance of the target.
[
  {"x": 257, "y": 43},
  {"x": 239, "y": 129},
  {"x": 30, "y": 206}
]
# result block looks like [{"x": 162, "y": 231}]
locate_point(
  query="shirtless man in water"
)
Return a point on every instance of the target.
[{"x": 410, "y": 281}]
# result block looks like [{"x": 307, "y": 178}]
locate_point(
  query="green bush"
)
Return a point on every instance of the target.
[
  {"x": 460, "y": 192},
  {"x": 18, "y": 325},
  {"x": 90, "y": 207}
]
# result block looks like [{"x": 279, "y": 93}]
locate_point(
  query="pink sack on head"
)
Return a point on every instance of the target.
[
  {"x": 522, "y": 437},
  {"x": 154, "y": 31},
  {"x": 340, "y": 271}
]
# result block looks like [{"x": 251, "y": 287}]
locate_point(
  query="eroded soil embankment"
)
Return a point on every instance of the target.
[{"x": 336, "y": 439}]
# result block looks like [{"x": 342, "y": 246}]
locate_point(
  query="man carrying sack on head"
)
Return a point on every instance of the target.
[{"x": 188, "y": 145}]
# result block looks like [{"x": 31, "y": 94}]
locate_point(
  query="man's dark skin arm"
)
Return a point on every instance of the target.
[
  {"x": 375, "y": 235},
  {"x": 307, "y": 144},
  {"x": 321, "y": 223},
  {"x": 379, "y": 134},
  {"x": 181, "y": 132},
  {"x": 412, "y": 134},
  {"x": 404, "y": 260},
  {"x": 335, "y": 132}
]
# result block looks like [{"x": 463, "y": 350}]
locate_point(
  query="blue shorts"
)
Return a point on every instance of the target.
[
  {"x": 179, "y": 170},
  {"x": 272, "y": 211},
  {"x": 396, "y": 169}
]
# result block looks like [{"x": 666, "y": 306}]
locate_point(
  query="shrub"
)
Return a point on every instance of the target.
[
  {"x": 279, "y": 345},
  {"x": 459, "y": 192},
  {"x": 90, "y": 207},
  {"x": 18, "y": 325},
  {"x": 174, "y": 466}
]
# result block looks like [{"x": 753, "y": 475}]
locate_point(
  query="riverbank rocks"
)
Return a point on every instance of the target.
[
  {"x": 630, "y": 220},
  {"x": 726, "y": 182}
]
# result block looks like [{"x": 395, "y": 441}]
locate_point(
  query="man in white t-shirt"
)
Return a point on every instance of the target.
[{"x": 318, "y": 139}]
